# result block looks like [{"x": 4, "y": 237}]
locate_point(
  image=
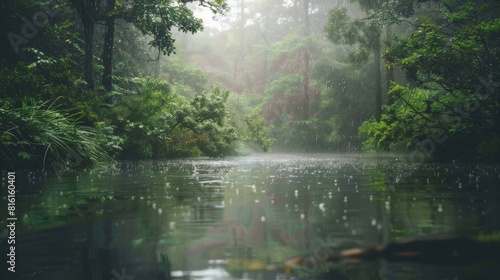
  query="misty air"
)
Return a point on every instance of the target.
[{"x": 250, "y": 139}]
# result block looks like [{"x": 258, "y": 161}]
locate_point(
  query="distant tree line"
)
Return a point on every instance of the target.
[{"x": 55, "y": 116}]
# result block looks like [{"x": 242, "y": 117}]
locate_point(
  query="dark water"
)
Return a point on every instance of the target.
[{"x": 240, "y": 218}]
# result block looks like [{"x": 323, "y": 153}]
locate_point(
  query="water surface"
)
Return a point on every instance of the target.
[{"x": 240, "y": 218}]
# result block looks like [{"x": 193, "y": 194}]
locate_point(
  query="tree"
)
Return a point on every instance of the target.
[
  {"x": 207, "y": 118},
  {"x": 307, "y": 61},
  {"x": 154, "y": 18},
  {"x": 450, "y": 62},
  {"x": 257, "y": 131},
  {"x": 365, "y": 35},
  {"x": 341, "y": 110},
  {"x": 109, "y": 39},
  {"x": 291, "y": 92},
  {"x": 156, "y": 122},
  {"x": 87, "y": 10}
]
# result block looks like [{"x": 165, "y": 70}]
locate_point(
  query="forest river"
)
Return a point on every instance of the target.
[{"x": 243, "y": 217}]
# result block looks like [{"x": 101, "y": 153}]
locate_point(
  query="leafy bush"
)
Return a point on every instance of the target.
[
  {"x": 257, "y": 131},
  {"x": 144, "y": 116},
  {"x": 207, "y": 117},
  {"x": 41, "y": 134},
  {"x": 157, "y": 123}
]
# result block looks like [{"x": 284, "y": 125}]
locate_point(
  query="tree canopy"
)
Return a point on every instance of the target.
[{"x": 97, "y": 80}]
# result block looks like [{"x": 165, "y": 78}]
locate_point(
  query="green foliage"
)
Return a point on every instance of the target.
[
  {"x": 288, "y": 85},
  {"x": 185, "y": 78},
  {"x": 453, "y": 58},
  {"x": 258, "y": 132},
  {"x": 145, "y": 117},
  {"x": 291, "y": 44},
  {"x": 450, "y": 63},
  {"x": 40, "y": 133},
  {"x": 402, "y": 121},
  {"x": 303, "y": 135},
  {"x": 207, "y": 117},
  {"x": 345, "y": 101},
  {"x": 50, "y": 70},
  {"x": 148, "y": 118},
  {"x": 290, "y": 92},
  {"x": 158, "y": 18},
  {"x": 157, "y": 123},
  {"x": 363, "y": 34},
  {"x": 306, "y": 96},
  {"x": 490, "y": 148}
]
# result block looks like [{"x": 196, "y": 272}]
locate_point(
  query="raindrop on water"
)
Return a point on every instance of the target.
[{"x": 322, "y": 207}]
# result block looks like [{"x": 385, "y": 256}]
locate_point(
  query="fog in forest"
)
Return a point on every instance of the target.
[
  {"x": 163, "y": 79},
  {"x": 250, "y": 139}
]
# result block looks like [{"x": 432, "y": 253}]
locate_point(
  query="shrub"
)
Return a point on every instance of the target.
[{"x": 40, "y": 134}]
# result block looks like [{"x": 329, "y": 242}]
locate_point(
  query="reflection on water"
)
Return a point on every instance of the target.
[{"x": 241, "y": 218}]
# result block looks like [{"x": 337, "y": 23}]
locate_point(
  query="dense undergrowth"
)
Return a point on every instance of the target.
[{"x": 398, "y": 76}]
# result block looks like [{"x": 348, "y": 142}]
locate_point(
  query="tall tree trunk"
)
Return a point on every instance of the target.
[
  {"x": 107, "y": 56},
  {"x": 86, "y": 10},
  {"x": 390, "y": 70},
  {"x": 378, "y": 83},
  {"x": 88, "y": 31},
  {"x": 242, "y": 26},
  {"x": 240, "y": 52},
  {"x": 306, "y": 62},
  {"x": 263, "y": 84},
  {"x": 495, "y": 92},
  {"x": 158, "y": 64},
  {"x": 306, "y": 84},
  {"x": 296, "y": 12}
]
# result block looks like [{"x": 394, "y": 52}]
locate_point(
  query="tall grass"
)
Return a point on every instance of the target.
[{"x": 42, "y": 134}]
